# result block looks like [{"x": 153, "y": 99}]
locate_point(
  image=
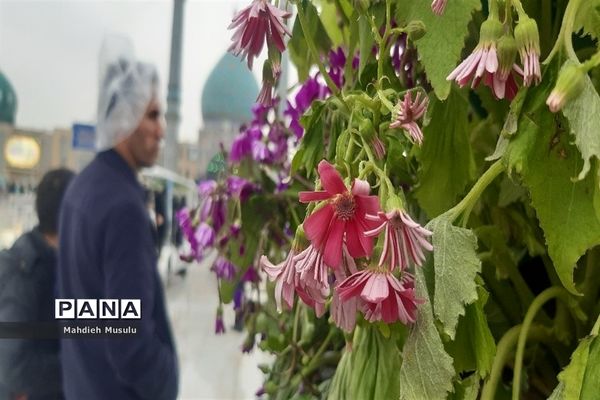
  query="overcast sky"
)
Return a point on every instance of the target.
[{"x": 49, "y": 52}]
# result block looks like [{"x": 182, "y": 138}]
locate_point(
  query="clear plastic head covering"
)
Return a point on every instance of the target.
[{"x": 126, "y": 88}]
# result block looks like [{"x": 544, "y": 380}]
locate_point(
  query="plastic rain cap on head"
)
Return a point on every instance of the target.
[{"x": 126, "y": 88}]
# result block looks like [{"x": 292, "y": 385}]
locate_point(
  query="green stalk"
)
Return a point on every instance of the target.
[
  {"x": 564, "y": 36},
  {"x": 503, "y": 351},
  {"x": 535, "y": 306},
  {"x": 482, "y": 183}
]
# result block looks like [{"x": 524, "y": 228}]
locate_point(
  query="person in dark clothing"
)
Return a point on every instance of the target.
[
  {"x": 107, "y": 248},
  {"x": 30, "y": 369}
]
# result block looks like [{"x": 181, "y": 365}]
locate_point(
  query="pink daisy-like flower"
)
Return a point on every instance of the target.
[
  {"x": 483, "y": 59},
  {"x": 404, "y": 239},
  {"x": 343, "y": 215},
  {"x": 259, "y": 21},
  {"x": 407, "y": 114},
  {"x": 438, "y": 6},
  {"x": 385, "y": 297}
]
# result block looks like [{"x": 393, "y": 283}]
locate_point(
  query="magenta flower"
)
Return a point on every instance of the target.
[
  {"x": 285, "y": 276},
  {"x": 385, "y": 297},
  {"x": 407, "y": 114},
  {"x": 254, "y": 24},
  {"x": 438, "y": 6},
  {"x": 343, "y": 215},
  {"x": 404, "y": 239},
  {"x": 484, "y": 58}
]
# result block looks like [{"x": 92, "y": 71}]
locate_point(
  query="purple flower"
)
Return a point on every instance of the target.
[
  {"x": 205, "y": 235},
  {"x": 310, "y": 90},
  {"x": 239, "y": 187},
  {"x": 219, "y": 324},
  {"x": 251, "y": 275},
  {"x": 241, "y": 147},
  {"x": 224, "y": 268},
  {"x": 238, "y": 296}
]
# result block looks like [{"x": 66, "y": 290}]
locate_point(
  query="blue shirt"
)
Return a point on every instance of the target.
[{"x": 107, "y": 251}]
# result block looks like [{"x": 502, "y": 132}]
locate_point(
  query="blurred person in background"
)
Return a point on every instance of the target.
[
  {"x": 30, "y": 369},
  {"x": 107, "y": 250}
]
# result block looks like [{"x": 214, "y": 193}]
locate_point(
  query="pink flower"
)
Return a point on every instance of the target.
[
  {"x": 311, "y": 268},
  {"x": 483, "y": 60},
  {"x": 386, "y": 298},
  {"x": 408, "y": 112},
  {"x": 404, "y": 239},
  {"x": 438, "y": 6},
  {"x": 528, "y": 42},
  {"x": 343, "y": 313},
  {"x": 285, "y": 276},
  {"x": 255, "y": 23},
  {"x": 342, "y": 215}
]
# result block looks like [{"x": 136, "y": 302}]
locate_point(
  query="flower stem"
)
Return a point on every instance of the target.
[
  {"x": 564, "y": 36},
  {"x": 313, "y": 49},
  {"x": 503, "y": 351},
  {"x": 469, "y": 200},
  {"x": 535, "y": 306}
]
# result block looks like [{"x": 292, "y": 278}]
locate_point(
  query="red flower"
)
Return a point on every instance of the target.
[
  {"x": 253, "y": 24},
  {"x": 344, "y": 214}
]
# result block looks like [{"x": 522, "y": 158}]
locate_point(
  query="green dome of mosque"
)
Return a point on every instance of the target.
[
  {"x": 8, "y": 101},
  {"x": 230, "y": 91}
]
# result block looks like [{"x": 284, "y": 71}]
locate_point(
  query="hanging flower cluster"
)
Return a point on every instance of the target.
[
  {"x": 340, "y": 231},
  {"x": 494, "y": 58}
]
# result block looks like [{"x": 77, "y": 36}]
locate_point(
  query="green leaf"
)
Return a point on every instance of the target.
[
  {"x": 456, "y": 266},
  {"x": 446, "y": 158},
  {"x": 541, "y": 151},
  {"x": 447, "y": 164},
  {"x": 583, "y": 114},
  {"x": 427, "y": 370},
  {"x": 581, "y": 378},
  {"x": 474, "y": 348},
  {"x": 299, "y": 51},
  {"x": 366, "y": 42},
  {"x": 441, "y": 46},
  {"x": 466, "y": 389},
  {"x": 329, "y": 17},
  {"x": 588, "y": 18},
  {"x": 311, "y": 147}
]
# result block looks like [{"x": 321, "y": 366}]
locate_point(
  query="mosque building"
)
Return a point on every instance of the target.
[{"x": 226, "y": 103}]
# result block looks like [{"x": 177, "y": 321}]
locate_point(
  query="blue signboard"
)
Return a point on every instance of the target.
[{"x": 84, "y": 137}]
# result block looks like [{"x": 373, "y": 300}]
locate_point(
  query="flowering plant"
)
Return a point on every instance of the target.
[{"x": 411, "y": 232}]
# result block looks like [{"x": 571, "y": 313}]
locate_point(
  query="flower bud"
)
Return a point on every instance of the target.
[
  {"x": 507, "y": 53},
  {"x": 416, "y": 30},
  {"x": 569, "y": 85}
]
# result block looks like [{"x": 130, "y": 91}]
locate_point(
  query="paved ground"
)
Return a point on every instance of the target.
[{"x": 211, "y": 367}]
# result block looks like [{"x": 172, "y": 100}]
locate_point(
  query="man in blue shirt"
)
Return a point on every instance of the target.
[{"x": 107, "y": 249}]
